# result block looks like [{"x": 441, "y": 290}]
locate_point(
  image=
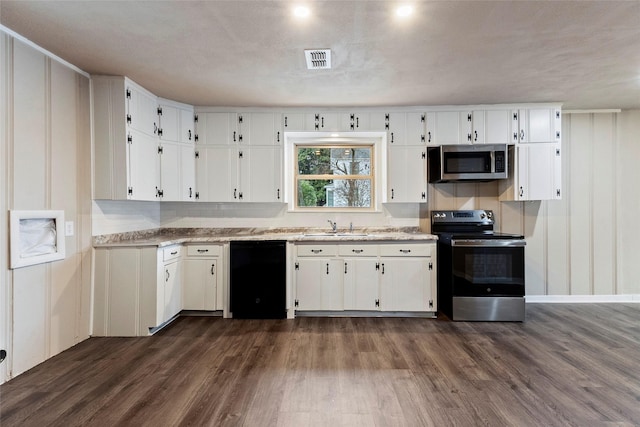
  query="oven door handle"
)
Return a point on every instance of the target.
[{"x": 488, "y": 243}]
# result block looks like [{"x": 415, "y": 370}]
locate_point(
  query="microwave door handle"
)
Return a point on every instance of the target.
[{"x": 492, "y": 155}]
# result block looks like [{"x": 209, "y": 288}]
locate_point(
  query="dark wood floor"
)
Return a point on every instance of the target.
[{"x": 566, "y": 365}]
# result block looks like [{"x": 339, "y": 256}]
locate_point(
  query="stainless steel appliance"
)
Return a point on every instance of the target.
[
  {"x": 480, "y": 272},
  {"x": 466, "y": 162}
]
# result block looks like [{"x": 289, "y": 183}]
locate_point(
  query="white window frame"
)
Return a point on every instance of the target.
[{"x": 379, "y": 154}]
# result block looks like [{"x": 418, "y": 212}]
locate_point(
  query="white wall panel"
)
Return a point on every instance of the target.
[
  {"x": 29, "y": 128},
  {"x": 47, "y": 164},
  {"x": 628, "y": 202},
  {"x": 579, "y": 193},
  {"x": 30, "y": 317},
  {"x": 604, "y": 204}
]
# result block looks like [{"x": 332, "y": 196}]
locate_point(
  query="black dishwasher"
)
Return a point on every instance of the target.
[{"x": 258, "y": 279}]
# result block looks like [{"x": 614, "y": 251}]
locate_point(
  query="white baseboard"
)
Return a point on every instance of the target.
[{"x": 635, "y": 298}]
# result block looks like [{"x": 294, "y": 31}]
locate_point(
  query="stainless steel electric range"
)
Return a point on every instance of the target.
[{"x": 480, "y": 272}]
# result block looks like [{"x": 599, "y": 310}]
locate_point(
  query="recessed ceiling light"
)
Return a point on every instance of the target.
[
  {"x": 301, "y": 11},
  {"x": 405, "y": 10}
]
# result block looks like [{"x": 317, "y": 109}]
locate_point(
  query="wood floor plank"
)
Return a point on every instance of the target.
[{"x": 567, "y": 365}]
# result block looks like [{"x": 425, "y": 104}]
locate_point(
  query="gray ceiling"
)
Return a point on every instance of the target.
[{"x": 250, "y": 53}]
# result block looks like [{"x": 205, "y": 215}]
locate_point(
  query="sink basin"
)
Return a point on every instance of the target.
[{"x": 329, "y": 234}]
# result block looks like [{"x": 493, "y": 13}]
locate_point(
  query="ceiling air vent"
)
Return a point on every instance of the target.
[{"x": 318, "y": 59}]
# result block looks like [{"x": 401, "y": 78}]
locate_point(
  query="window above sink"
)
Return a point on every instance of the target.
[{"x": 335, "y": 172}]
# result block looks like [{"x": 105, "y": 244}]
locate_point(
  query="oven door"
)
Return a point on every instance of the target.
[{"x": 488, "y": 268}]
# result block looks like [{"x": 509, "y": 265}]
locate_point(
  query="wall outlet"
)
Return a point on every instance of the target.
[{"x": 68, "y": 228}]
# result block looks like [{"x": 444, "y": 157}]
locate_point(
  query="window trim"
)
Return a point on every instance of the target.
[{"x": 378, "y": 141}]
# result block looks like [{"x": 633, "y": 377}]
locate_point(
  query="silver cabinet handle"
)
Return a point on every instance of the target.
[{"x": 316, "y": 251}]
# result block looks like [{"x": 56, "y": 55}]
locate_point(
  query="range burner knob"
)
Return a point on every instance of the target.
[{"x": 483, "y": 215}]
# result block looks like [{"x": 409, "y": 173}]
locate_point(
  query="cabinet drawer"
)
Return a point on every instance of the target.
[
  {"x": 406, "y": 250},
  {"x": 171, "y": 252},
  {"x": 358, "y": 250},
  {"x": 316, "y": 250},
  {"x": 204, "y": 250}
]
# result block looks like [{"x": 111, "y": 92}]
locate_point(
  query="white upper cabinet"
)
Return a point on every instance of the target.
[
  {"x": 533, "y": 125},
  {"x": 407, "y": 179},
  {"x": 537, "y": 173},
  {"x": 176, "y": 121},
  {"x": 260, "y": 170},
  {"x": 405, "y": 129},
  {"x": 243, "y": 161},
  {"x": 142, "y": 109},
  {"x": 486, "y": 127},
  {"x": 217, "y": 128},
  {"x": 177, "y": 159},
  {"x": 260, "y": 129},
  {"x": 323, "y": 122},
  {"x": 125, "y": 123},
  {"x": 497, "y": 127},
  {"x": 446, "y": 127}
]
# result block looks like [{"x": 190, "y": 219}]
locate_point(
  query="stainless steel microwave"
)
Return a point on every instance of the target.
[{"x": 481, "y": 162}]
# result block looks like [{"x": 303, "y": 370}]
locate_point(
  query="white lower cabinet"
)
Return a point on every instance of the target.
[
  {"x": 318, "y": 277},
  {"x": 361, "y": 290},
  {"x": 172, "y": 302},
  {"x": 136, "y": 289},
  {"x": 391, "y": 277},
  {"x": 202, "y": 286}
]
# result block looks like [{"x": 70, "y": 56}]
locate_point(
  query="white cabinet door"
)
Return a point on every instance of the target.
[
  {"x": 497, "y": 127},
  {"x": 537, "y": 174},
  {"x": 187, "y": 126},
  {"x": 217, "y": 128},
  {"x": 170, "y": 172},
  {"x": 295, "y": 122},
  {"x": 323, "y": 122},
  {"x": 361, "y": 284},
  {"x": 446, "y": 127},
  {"x": 396, "y": 124},
  {"x": 200, "y": 284},
  {"x": 260, "y": 174},
  {"x": 319, "y": 284},
  {"x": 172, "y": 290},
  {"x": 406, "y": 129},
  {"x": 406, "y": 182},
  {"x": 406, "y": 284},
  {"x": 142, "y": 111},
  {"x": 143, "y": 166},
  {"x": 169, "y": 121},
  {"x": 353, "y": 121},
  {"x": 309, "y": 278},
  {"x": 187, "y": 173},
  {"x": 216, "y": 174},
  {"x": 537, "y": 125},
  {"x": 260, "y": 129}
]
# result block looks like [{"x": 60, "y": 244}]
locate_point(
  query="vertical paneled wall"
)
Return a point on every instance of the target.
[
  {"x": 46, "y": 160},
  {"x": 586, "y": 243}
]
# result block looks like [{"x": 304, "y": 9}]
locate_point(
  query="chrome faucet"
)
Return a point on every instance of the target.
[{"x": 334, "y": 226}]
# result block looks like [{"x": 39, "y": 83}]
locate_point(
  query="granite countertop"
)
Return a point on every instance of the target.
[{"x": 172, "y": 236}]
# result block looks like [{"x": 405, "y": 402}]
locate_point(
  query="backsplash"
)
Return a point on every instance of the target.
[{"x": 128, "y": 216}]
